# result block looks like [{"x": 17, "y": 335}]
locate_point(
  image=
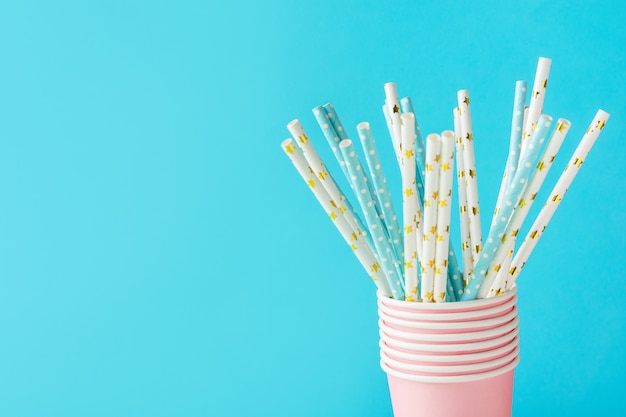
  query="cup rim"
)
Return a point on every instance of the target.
[
  {"x": 445, "y": 316},
  {"x": 495, "y": 321},
  {"x": 462, "y": 357},
  {"x": 451, "y": 379},
  {"x": 451, "y": 337},
  {"x": 451, "y": 369},
  {"x": 476, "y": 304},
  {"x": 424, "y": 347}
]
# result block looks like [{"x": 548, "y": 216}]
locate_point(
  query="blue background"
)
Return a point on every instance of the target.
[{"x": 160, "y": 256}]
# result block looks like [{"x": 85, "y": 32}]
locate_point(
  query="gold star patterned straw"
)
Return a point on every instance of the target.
[
  {"x": 469, "y": 164},
  {"x": 409, "y": 206},
  {"x": 327, "y": 181},
  {"x": 443, "y": 215},
  {"x": 461, "y": 187},
  {"x": 431, "y": 198},
  {"x": 537, "y": 97},
  {"x": 393, "y": 108},
  {"x": 558, "y": 192},
  {"x": 523, "y": 207},
  {"x": 356, "y": 242}
]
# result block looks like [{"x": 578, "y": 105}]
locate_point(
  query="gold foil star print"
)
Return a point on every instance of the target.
[
  {"x": 303, "y": 138},
  {"x": 290, "y": 148}
]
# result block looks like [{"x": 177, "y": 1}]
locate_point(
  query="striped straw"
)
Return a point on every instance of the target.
[
  {"x": 461, "y": 187},
  {"x": 356, "y": 242},
  {"x": 481, "y": 278},
  {"x": 536, "y": 100},
  {"x": 431, "y": 194},
  {"x": 409, "y": 206},
  {"x": 528, "y": 198},
  {"x": 379, "y": 181},
  {"x": 380, "y": 239},
  {"x": 328, "y": 182},
  {"x": 469, "y": 163},
  {"x": 558, "y": 192},
  {"x": 515, "y": 140},
  {"x": 443, "y": 215}
]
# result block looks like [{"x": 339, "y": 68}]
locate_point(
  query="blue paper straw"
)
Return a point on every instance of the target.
[
  {"x": 493, "y": 241},
  {"x": 517, "y": 122},
  {"x": 380, "y": 184},
  {"x": 386, "y": 255}
]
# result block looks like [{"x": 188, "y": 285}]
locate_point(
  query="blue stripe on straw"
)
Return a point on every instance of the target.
[
  {"x": 386, "y": 255},
  {"x": 514, "y": 193}
]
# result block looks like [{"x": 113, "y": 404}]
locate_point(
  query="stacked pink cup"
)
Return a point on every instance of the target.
[{"x": 450, "y": 359}]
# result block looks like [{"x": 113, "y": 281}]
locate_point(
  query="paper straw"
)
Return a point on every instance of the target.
[
  {"x": 557, "y": 194},
  {"x": 379, "y": 182},
  {"x": 537, "y": 97},
  {"x": 339, "y": 133},
  {"x": 327, "y": 181},
  {"x": 393, "y": 109},
  {"x": 481, "y": 279},
  {"x": 331, "y": 136},
  {"x": 515, "y": 140},
  {"x": 431, "y": 198},
  {"x": 409, "y": 206},
  {"x": 355, "y": 241},
  {"x": 466, "y": 253},
  {"x": 469, "y": 164},
  {"x": 443, "y": 215},
  {"x": 383, "y": 248},
  {"x": 530, "y": 194},
  {"x": 406, "y": 105}
]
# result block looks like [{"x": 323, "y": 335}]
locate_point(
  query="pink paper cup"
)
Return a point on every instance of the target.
[
  {"x": 412, "y": 326},
  {"x": 448, "y": 338},
  {"x": 412, "y": 316},
  {"x": 449, "y": 370},
  {"x": 448, "y": 349},
  {"x": 487, "y": 394},
  {"x": 460, "y": 359}
]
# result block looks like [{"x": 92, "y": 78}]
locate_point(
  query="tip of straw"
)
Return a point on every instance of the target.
[
  {"x": 294, "y": 122},
  {"x": 363, "y": 126},
  {"x": 345, "y": 143},
  {"x": 286, "y": 142},
  {"x": 564, "y": 122},
  {"x": 602, "y": 114},
  {"x": 391, "y": 91},
  {"x": 448, "y": 134},
  {"x": 408, "y": 117},
  {"x": 432, "y": 137}
]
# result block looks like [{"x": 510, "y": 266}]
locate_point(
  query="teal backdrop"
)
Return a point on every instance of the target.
[{"x": 159, "y": 255}]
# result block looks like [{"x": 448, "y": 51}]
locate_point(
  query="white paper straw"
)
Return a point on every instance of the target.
[
  {"x": 537, "y": 97},
  {"x": 355, "y": 241},
  {"x": 523, "y": 207},
  {"x": 469, "y": 164},
  {"x": 326, "y": 179},
  {"x": 466, "y": 254},
  {"x": 431, "y": 197},
  {"x": 558, "y": 192},
  {"x": 443, "y": 215},
  {"x": 393, "y": 108},
  {"x": 409, "y": 207}
]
